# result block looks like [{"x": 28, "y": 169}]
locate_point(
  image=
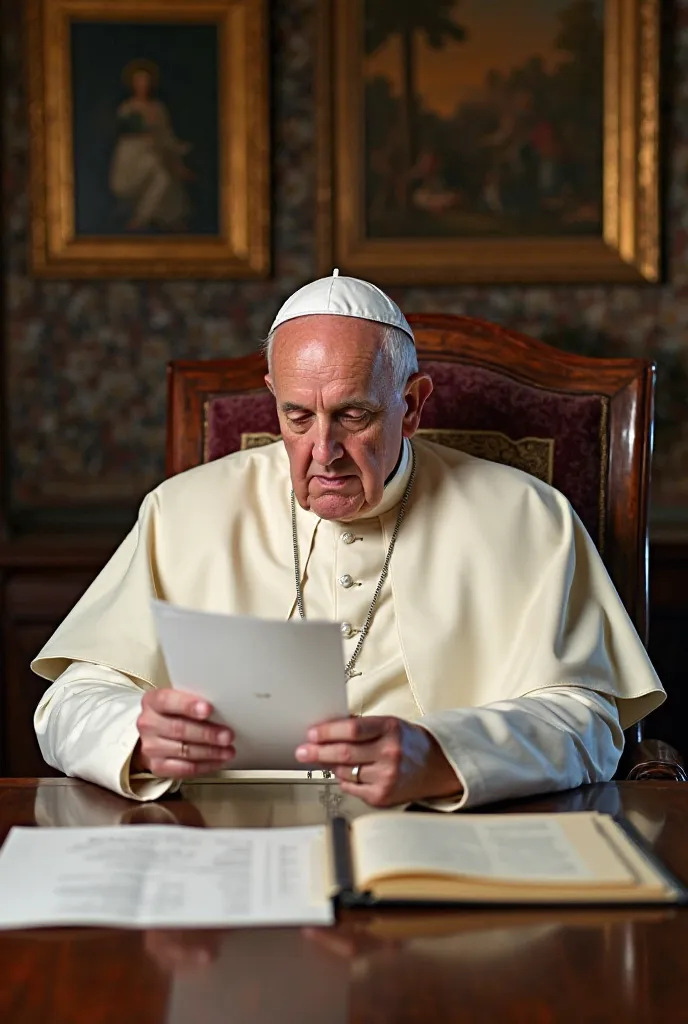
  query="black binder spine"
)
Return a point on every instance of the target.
[{"x": 347, "y": 895}]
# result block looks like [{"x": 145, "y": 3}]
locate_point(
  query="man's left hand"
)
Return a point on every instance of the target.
[{"x": 399, "y": 762}]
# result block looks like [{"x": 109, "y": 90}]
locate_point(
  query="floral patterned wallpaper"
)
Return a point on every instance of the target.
[{"x": 86, "y": 360}]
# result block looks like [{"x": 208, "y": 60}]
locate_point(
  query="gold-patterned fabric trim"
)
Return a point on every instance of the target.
[
  {"x": 534, "y": 455},
  {"x": 206, "y": 432},
  {"x": 257, "y": 440}
]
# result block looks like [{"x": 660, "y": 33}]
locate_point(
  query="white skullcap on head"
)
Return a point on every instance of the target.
[{"x": 343, "y": 296}]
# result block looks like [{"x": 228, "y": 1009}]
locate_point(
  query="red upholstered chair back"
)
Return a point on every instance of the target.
[{"x": 582, "y": 424}]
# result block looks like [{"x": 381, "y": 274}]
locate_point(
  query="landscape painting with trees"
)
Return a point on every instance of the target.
[{"x": 483, "y": 118}]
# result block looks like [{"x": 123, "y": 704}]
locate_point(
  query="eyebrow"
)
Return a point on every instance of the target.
[{"x": 352, "y": 403}]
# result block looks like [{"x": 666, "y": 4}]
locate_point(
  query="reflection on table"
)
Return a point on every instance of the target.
[
  {"x": 481, "y": 962},
  {"x": 227, "y": 805}
]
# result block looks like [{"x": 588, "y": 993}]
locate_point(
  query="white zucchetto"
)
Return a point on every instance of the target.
[{"x": 343, "y": 296}]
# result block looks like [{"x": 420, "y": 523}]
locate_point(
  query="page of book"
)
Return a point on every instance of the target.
[
  {"x": 160, "y": 876},
  {"x": 528, "y": 849}
]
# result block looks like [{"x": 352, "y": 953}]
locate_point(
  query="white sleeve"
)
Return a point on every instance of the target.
[
  {"x": 86, "y": 727},
  {"x": 557, "y": 738}
]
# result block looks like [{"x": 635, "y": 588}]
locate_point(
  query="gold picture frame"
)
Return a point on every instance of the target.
[
  {"x": 627, "y": 246},
  {"x": 233, "y": 239}
]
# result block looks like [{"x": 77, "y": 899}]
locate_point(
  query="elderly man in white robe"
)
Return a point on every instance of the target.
[{"x": 488, "y": 654}]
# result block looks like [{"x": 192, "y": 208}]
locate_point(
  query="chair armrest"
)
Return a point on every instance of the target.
[{"x": 653, "y": 759}]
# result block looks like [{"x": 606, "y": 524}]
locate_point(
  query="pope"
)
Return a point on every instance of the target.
[{"x": 488, "y": 654}]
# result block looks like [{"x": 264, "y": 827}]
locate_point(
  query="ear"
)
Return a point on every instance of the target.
[
  {"x": 418, "y": 389},
  {"x": 268, "y": 382}
]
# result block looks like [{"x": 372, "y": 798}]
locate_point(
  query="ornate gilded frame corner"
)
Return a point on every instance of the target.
[
  {"x": 628, "y": 248},
  {"x": 241, "y": 249}
]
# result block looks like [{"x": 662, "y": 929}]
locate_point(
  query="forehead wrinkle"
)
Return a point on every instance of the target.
[
  {"x": 334, "y": 392},
  {"x": 357, "y": 380},
  {"x": 318, "y": 361}
]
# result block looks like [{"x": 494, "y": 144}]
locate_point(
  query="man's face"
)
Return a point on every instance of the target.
[{"x": 341, "y": 419}]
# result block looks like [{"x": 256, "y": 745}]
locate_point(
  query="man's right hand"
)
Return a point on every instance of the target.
[{"x": 176, "y": 739}]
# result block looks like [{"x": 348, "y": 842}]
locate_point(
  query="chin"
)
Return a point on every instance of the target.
[{"x": 337, "y": 506}]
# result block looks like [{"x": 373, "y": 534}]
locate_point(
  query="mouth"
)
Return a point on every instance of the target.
[{"x": 333, "y": 483}]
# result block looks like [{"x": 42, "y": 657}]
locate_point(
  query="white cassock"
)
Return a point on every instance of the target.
[{"x": 498, "y": 628}]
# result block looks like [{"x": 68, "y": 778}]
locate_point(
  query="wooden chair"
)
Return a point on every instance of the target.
[{"x": 583, "y": 424}]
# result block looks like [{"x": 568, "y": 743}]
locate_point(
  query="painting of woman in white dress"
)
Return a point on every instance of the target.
[
  {"x": 148, "y": 175},
  {"x": 146, "y": 129}
]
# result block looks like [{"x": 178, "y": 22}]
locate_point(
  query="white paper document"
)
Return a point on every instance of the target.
[
  {"x": 268, "y": 680},
  {"x": 163, "y": 876}
]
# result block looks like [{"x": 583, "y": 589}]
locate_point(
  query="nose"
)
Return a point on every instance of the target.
[{"x": 326, "y": 448}]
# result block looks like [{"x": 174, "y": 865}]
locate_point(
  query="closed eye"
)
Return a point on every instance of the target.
[
  {"x": 299, "y": 417},
  {"x": 355, "y": 417}
]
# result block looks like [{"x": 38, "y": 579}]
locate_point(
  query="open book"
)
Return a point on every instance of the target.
[
  {"x": 157, "y": 876},
  {"x": 496, "y": 858}
]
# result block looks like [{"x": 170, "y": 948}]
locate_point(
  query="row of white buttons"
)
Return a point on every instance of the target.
[{"x": 347, "y": 581}]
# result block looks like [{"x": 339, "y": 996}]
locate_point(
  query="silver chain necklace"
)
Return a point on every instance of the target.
[{"x": 383, "y": 575}]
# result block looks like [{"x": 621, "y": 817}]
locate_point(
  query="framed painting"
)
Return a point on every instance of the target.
[
  {"x": 149, "y": 138},
  {"x": 483, "y": 141}
]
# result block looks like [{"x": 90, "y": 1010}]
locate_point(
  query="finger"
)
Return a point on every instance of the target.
[
  {"x": 365, "y": 774},
  {"x": 177, "y": 749},
  {"x": 184, "y": 730},
  {"x": 348, "y": 730},
  {"x": 175, "y": 768},
  {"x": 165, "y": 701},
  {"x": 338, "y": 754},
  {"x": 375, "y": 793}
]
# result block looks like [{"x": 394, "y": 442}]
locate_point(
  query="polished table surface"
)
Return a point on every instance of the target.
[{"x": 534, "y": 967}]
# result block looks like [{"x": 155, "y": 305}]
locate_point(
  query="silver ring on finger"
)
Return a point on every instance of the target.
[
  {"x": 185, "y": 752},
  {"x": 356, "y": 774}
]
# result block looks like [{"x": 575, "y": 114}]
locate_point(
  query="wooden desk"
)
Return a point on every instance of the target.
[{"x": 540, "y": 967}]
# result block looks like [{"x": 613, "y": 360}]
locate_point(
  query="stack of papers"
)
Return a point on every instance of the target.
[{"x": 163, "y": 876}]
